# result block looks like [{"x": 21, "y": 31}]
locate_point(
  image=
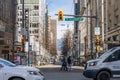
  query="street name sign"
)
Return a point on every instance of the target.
[{"x": 74, "y": 19}]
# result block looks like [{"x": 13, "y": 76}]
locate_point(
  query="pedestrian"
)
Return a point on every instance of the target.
[
  {"x": 64, "y": 64},
  {"x": 69, "y": 61}
]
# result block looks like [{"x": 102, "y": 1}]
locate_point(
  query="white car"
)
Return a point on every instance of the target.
[
  {"x": 105, "y": 67},
  {"x": 9, "y": 71}
]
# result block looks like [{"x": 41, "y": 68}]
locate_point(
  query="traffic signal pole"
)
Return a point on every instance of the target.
[
  {"x": 97, "y": 25},
  {"x": 23, "y": 17}
]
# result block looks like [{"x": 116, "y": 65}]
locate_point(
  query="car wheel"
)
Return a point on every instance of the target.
[
  {"x": 16, "y": 79},
  {"x": 103, "y": 75}
]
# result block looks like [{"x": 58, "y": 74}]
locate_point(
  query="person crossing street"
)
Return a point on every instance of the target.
[{"x": 69, "y": 62}]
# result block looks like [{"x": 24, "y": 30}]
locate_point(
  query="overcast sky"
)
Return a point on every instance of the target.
[{"x": 68, "y": 8}]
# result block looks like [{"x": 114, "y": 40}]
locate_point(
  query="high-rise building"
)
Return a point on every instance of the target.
[
  {"x": 7, "y": 27},
  {"x": 36, "y": 23},
  {"x": 52, "y": 35}
]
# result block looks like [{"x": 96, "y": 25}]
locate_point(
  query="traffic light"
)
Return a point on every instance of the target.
[
  {"x": 97, "y": 48},
  {"x": 97, "y": 40},
  {"x": 22, "y": 39},
  {"x": 26, "y": 19},
  {"x": 60, "y": 15}
]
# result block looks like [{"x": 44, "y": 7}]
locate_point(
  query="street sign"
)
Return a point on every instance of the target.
[
  {"x": 97, "y": 30},
  {"x": 74, "y": 19},
  {"x": 23, "y": 31}
]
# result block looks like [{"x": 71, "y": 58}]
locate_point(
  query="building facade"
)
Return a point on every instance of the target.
[
  {"x": 52, "y": 35},
  {"x": 7, "y": 27},
  {"x": 35, "y": 25},
  {"x": 108, "y": 22},
  {"x": 113, "y": 23}
]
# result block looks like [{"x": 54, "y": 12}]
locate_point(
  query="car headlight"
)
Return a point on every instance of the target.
[
  {"x": 34, "y": 72},
  {"x": 93, "y": 64}
]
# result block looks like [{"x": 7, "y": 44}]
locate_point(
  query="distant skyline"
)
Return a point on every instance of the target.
[{"x": 68, "y": 7}]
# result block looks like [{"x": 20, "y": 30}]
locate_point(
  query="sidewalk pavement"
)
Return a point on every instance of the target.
[{"x": 59, "y": 66}]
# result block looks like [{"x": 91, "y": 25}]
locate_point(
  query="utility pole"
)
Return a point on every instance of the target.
[
  {"x": 13, "y": 35},
  {"x": 27, "y": 28},
  {"x": 79, "y": 39},
  {"x": 13, "y": 42},
  {"x": 103, "y": 23},
  {"x": 76, "y": 12},
  {"x": 91, "y": 31},
  {"x": 106, "y": 24}
]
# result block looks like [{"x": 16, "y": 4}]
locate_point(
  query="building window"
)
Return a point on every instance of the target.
[
  {"x": 109, "y": 39},
  {"x": 21, "y": 25},
  {"x": 1, "y": 42},
  {"x": 36, "y": 7},
  {"x": 20, "y": 19},
  {"x": 21, "y": 1},
  {"x": 115, "y": 38},
  {"x": 36, "y": 31},
  {"x": 20, "y": 13},
  {"x": 110, "y": 24},
  {"x": 84, "y": 3},
  {"x": 35, "y": 25},
  {"x": 117, "y": 17}
]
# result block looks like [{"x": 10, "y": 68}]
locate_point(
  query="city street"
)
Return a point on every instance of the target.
[
  {"x": 52, "y": 72},
  {"x": 44, "y": 33}
]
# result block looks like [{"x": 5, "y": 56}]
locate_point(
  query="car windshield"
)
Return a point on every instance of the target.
[
  {"x": 7, "y": 63},
  {"x": 106, "y": 53}
]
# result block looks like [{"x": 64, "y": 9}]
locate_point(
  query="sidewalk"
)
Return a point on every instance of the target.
[{"x": 59, "y": 66}]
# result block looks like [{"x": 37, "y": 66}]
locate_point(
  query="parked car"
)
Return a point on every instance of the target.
[
  {"x": 104, "y": 67},
  {"x": 9, "y": 71}
]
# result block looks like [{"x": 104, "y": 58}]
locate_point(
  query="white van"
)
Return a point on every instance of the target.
[{"x": 104, "y": 67}]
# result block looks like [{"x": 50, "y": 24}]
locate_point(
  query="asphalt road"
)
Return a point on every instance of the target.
[{"x": 52, "y": 72}]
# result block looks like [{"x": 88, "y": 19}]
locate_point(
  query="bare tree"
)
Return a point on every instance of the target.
[{"x": 66, "y": 43}]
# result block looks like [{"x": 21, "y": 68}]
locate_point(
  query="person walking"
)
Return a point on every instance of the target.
[
  {"x": 69, "y": 61},
  {"x": 64, "y": 64}
]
